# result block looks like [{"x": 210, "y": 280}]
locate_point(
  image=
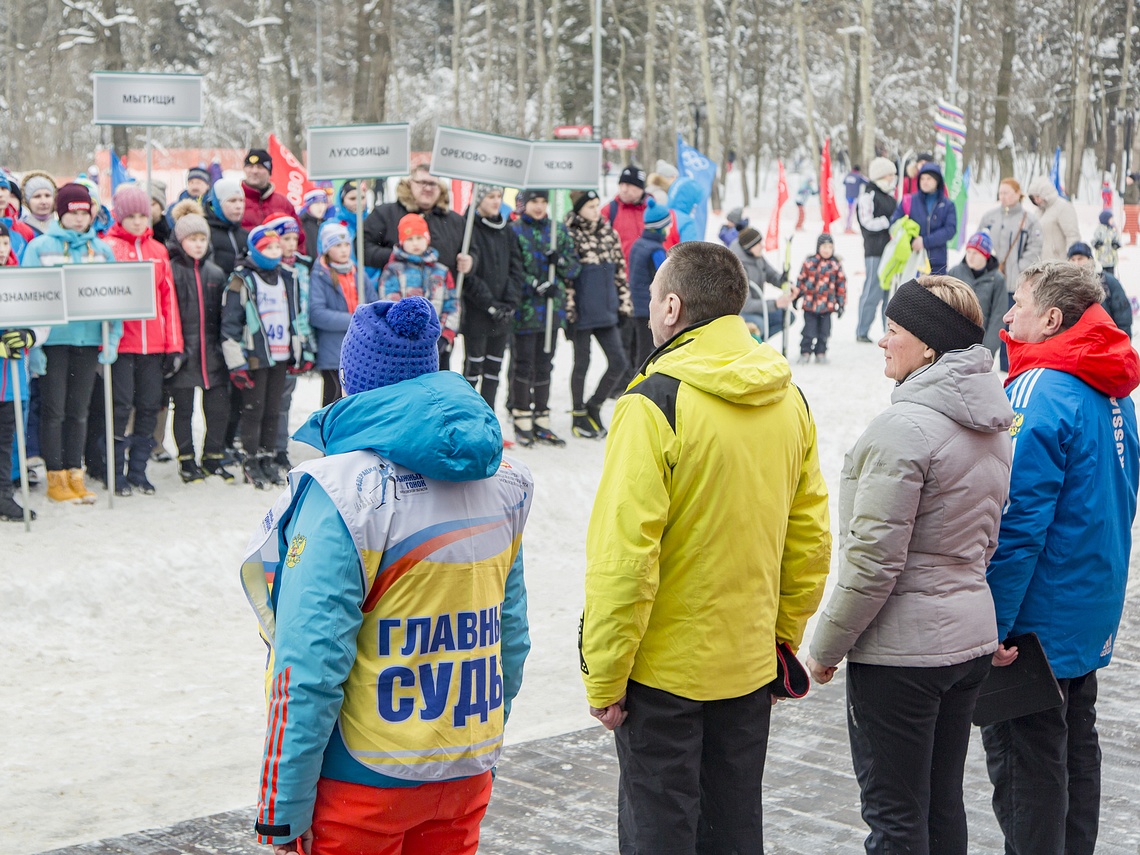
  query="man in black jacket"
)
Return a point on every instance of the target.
[
  {"x": 491, "y": 292},
  {"x": 875, "y": 206},
  {"x": 420, "y": 193}
]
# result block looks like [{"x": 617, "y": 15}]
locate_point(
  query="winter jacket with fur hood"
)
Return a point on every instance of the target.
[
  {"x": 381, "y": 227},
  {"x": 1059, "y": 227},
  {"x": 920, "y": 503}
]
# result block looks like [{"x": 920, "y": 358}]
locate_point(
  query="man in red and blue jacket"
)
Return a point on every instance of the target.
[{"x": 1061, "y": 565}]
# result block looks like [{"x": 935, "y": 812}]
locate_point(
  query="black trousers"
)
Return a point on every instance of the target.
[
  {"x": 530, "y": 371},
  {"x": 7, "y": 441},
  {"x": 215, "y": 408},
  {"x": 281, "y": 443},
  {"x": 691, "y": 773},
  {"x": 1045, "y": 769},
  {"x": 909, "y": 731},
  {"x": 260, "y": 407},
  {"x": 616, "y": 365},
  {"x": 330, "y": 386},
  {"x": 136, "y": 384},
  {"x": 817, "y": 330},
  {"x": 483, "y": 358},
  {"x": 65, "y": 392}
]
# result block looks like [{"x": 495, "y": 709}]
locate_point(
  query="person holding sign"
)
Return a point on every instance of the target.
[
  {"x": 149, "y": 350},
  {"x": 14, "y": 345},
  {"x": 258, "y": 314},
  {"x": 72, "y": 350},
  {"x": 548, "y": 283},
  {"x": 491, "y": 292}
]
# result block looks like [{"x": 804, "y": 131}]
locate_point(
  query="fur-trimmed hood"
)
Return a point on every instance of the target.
[{"x": 405, "y": 197}]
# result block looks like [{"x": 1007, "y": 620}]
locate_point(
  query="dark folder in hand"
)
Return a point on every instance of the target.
[{"x": 1024, "y": 687}]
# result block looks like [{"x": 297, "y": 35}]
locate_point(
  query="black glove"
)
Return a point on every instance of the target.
[
  {"x": 839, "y": 312},
  {"x": 171, "y": 364},
  {"x": 542, "y": 286},
  {"x": 783, "y": 279},
  {"x": 13, "y": 343},
  {"x": 552, "y": 256}
]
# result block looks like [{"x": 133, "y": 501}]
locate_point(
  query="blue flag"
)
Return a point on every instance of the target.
[
  {"x": 692, "y": 164},
  {"x": 119, "y": 174},
  {"x": 1055, "y": 174}
]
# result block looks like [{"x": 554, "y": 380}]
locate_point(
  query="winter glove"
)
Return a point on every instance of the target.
[
  {"x": 171, "y": 364},
  {"x": 295, "y": 369},
  {"x": 444, "y": 346},
  {"x": 107, "y": 356},
  {"x": 542, "y": 287},
  {"x": 551, "y": 256},
  {"x": 240, "y": 378},
  {"x": 448, "y": 334},
  {"x": 14, "y": 342},
  {"x": 839, "y": 312}
]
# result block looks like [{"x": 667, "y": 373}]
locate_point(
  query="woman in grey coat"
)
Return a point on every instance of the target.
[{"x": 919, "y": 507}]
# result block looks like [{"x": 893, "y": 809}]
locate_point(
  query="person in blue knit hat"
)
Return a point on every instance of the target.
[{"x": 386, "y": 718}]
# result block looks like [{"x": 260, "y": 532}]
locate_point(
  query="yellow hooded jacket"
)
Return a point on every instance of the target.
[{"x": 709, "y": 540}]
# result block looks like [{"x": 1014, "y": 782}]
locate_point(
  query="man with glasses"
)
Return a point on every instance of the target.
[{"x": 423, "y": 194}]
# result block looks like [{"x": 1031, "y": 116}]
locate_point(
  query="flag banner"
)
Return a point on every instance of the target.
[
  {"x": 290, "y": 176},
  {"x": 119, "y": 174},
  {"x": 950, "y": 122},
  {"x": 956, "y": 187},
  {"x": 828, "y": 210},
  {"x": 1055, "y": 174},
  {"x": 772, "y": 237},
  {"x": 692, "y": 164}
]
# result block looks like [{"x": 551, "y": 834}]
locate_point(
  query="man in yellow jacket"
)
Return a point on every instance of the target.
[{"x": 708, "y": 545}]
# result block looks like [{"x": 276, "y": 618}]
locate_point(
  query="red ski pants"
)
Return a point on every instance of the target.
[{"x": 353, "y": 819}]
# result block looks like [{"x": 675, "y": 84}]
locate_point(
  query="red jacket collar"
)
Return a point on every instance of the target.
[
  {"x": 1094, "y": 350},
  {"x": 117, "y": 231}
]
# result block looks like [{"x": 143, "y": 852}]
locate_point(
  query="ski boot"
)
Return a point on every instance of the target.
[
  {"x": 269, "y": 468},
  {"x": 189, "y": 470},
  {"x": 542, "y": 431},
  {"x": 594, "y": 411},
  {"x": 581, "y": 425},
  {"x": 253, "y": 473},
  {"x": 215, "y": 464},
  {"x": 524, "y": 427},
  {"x": 10, "y": 510}
]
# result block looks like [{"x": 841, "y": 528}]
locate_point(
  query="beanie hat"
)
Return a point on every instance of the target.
[
  {"x": 260, "y": 238},
  {"x": 227, "y": 188},
  {"x": 72, "y": 197},
  {"x": 737, "y": 218},
  {"x": 932, "y": 320},
  {"x": 344, "y": 188},
  {"x": 1079, "y": 248},
  {"x": 1105, "y": 217},
  {"x": 34, "y": 182},
  {"x": 665, "y": 169},
  {"x": 199, "y": 172},
  {"x": 1012, "y": 182},
  {"x": 656, "y": 216},
  {"x": 482, "y": 191},
  {"x": 528, "y": 195},
  {"x": 748, "y": 238},
  {"x": 881, "y": 168},
  {"x": 411, "y": 225},
  {"x": 319, "y": 194},
  {"x": 633, "y": 175},
  {"x": 158, "y": 192},
  {"x": 282, "y": 224},
  {"x": 981, "y": 242},
  {"x": 129, "y": 200},
  {"x": 188, "y": 220},
  {"x": 389, "y": 342},
  {"x": 4, "y": 231},
  {"x": 261, "y": 156},
  {"x": 580, "y": 197},
  {"x": 332, "y": 234},
  {"x": 822, "y": 239}
]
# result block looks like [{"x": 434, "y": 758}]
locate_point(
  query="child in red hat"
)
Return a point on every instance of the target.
[{"x": 414, "y": 271}]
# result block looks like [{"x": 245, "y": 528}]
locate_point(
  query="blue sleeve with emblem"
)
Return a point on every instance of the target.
[
  {"x": 318, "y": 613},
  {"x": 1040, "y": 446},
  {"x": 515, "y": 642}
]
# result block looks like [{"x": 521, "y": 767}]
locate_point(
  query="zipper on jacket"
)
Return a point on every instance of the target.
[
  {"x": 201, "y": 325},
  {"x": 142, "y": 324}
]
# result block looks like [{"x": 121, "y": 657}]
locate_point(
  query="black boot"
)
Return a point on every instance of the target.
[
  {"x": 581, "y": 426},
  {"x": 281, "y": 458},
  {"x": 594, "y": 411},
  {"x": 269, "y": 468},
  {"x": 542, "y": 431},
  {"x": 189, "y": 470},
  {"x": 215, "y": 464},
  {"x": 10, "y": 510},
  {"x": 137, "y": 457},
  {"x": 524, "y": 427},
  {"x": 251, "y": 469}
]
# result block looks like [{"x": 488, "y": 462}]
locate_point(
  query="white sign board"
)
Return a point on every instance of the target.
[
  {"x": 473, "y": 156},
  {"x": 110, "y": 292},
  {"x": 32, "y": 297},
  {"x": 565, "y": 165},
  {"x": 359, "y": 151},
  {"x": 123, "y": 98}
]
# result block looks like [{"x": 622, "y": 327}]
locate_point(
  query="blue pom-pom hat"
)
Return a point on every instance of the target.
[{"x": 389, "y": 342}]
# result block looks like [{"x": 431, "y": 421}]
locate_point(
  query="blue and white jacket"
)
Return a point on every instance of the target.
[
  {"x": 388, "y": 582},
  {"x": 1061, "y": 565}
]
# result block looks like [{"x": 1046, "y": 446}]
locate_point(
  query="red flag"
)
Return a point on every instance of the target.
[
  {"x": 827, "y": 207},
  {"x": 772, "y": 238},
  {"x": 290, "y": 178}
]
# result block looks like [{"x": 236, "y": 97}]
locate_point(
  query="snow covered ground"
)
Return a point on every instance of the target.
[{"x": 131, "y": 669}]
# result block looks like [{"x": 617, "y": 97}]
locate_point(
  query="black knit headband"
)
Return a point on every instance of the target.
[{"x": 932, "y": 320}]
